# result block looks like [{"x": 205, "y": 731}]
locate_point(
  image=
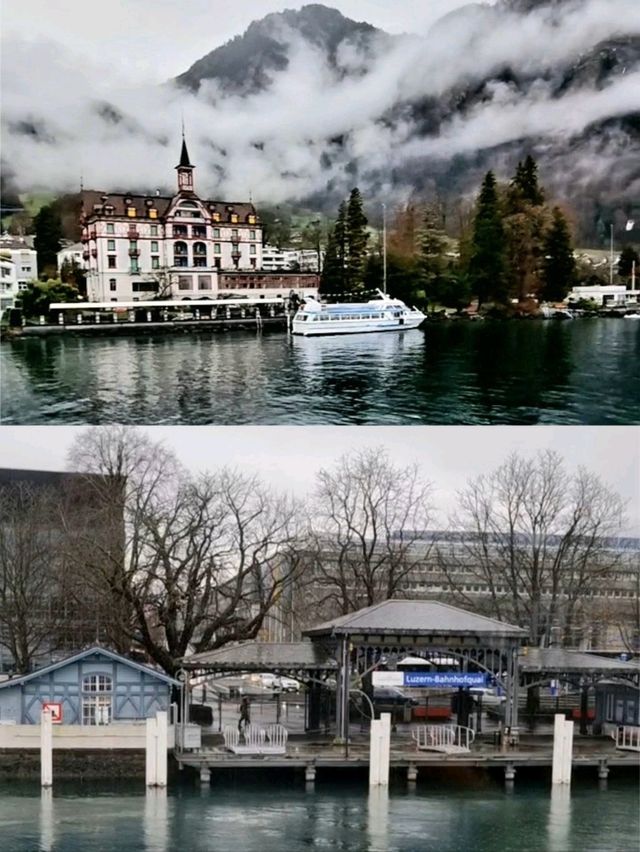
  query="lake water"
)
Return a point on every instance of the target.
[
  {"x": 580, "y": 372},
  {"x": 241, "y": 818}
]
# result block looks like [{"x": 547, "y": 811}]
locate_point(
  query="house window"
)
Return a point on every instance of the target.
[
  {"x": 154, "y": 246},
  {"x": 216, "y": 217},
  {"x": 96, "y": 710},
  {"x": 111, "y": 261},
  {"x": 252, "y": 220},
  {"x": 111, "y": 245},
  {"x": 204, "y": 282},
  {"x": 97, "y": 683},
  {"x": 216, "y": 233},
  {"x": 155, "y": 262},
  {"x": 180, "y": 231},
  {"x": 252, "y": 235},
  {"x": 184, "y": 282},
  {"x": 234, "y": 233},
  {"x": 135, "y": 268},
  {"x": 252, "y": 249},
  {"x": 131, "y": 212},
  {"x": 112, "y": 285},
  {"x": 111, "y": 228},
  {"x": 199, "y": 231},
  {"x": 154, "y": 230},
  {"x": 153, "y": 214},
  {"x": 234, "y": 217},
  {"x": 216, "y": 248},
  {"x": 25, "y": 268}
]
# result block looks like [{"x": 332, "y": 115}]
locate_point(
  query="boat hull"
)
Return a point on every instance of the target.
[{"x": 348, "y": 326}]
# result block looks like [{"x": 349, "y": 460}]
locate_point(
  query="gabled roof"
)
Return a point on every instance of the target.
[
  {"x": 416, "y": 618},
  {"x": 81, "y": 655},
  {"x": 263, "y": 656},
  {"x": 94, "y": 200}
]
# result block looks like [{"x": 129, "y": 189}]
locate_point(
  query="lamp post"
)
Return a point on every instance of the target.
[{"x": 384, "y": 248}]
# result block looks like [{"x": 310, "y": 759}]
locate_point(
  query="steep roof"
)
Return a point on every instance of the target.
[
  {"x": 93, "y": 198},
  {"x": 81, "y": 655},
  {"x": 184, "y": 157},
  {"x": 416, "y": 618}
]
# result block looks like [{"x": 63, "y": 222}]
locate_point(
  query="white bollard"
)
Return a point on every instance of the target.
[
  {"x": 46, "y": 749},
  {"x": 379, "y": 748},
  {"x": 562, "y": 750},
  {"x": 162, "y": 732},
  {"x": 151, "y": 752}
]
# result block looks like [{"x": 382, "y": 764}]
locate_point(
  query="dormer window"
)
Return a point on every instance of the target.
[
  {"x": 234, "y": 217},
  {"x": 216, "y": 216},
  {"x": 131, "y": 212},
  {"x": 251, "y": 219}
]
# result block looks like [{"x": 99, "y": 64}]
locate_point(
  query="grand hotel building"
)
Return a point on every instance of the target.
[{"x": 139, "y": 247}]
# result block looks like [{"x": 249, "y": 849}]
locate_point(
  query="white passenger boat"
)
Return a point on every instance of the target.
[{"x": 379, "y": 314}]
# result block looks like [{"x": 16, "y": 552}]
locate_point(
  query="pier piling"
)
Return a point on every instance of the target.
[{"x": 46, "y": 748}]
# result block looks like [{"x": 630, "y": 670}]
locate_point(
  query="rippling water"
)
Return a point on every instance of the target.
[
  {"x": 288, "y": 819},
  {"x": 577, "y": 372}
]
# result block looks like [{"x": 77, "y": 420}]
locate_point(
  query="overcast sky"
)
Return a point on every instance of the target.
[
  {"x": 161, "y": 38},
  {"x": 288, "y": 457}
]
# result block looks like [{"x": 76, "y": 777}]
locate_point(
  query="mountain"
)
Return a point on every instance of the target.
[{"x": 244, "y": 64}]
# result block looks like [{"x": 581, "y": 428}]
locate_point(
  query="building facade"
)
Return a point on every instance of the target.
[
  {"x": 139, "y": 247},
  {"x": 93, "y": 687},
  {"x": 18, "y": 267},
  {"x": 72, "y": 253}
]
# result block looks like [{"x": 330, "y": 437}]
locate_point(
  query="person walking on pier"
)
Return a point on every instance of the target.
[{"x": 244, "y": 713}]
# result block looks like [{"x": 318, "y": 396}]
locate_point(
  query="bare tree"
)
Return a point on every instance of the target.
[
  {"x": 31, "y": 599},
  {"x": 536, "y": 542},
  {"x": 205, "y": 558},
  {"x": 368, "y": 516}
]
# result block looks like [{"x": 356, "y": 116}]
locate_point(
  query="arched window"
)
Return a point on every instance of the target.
[
  {"x": 180, "y": 254},
  {"x": 96, "y": 699},
  {"x": 199, "y": 254},
  {"x": 199, "y": 248}
]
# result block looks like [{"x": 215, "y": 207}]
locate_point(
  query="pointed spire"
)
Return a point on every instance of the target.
[{"x": 184, "y": 157}]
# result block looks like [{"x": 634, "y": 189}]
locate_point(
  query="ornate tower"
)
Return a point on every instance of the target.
[{"x": 185, "y": 170}]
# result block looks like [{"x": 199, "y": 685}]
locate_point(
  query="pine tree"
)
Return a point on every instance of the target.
[
  {"x": 431, "y": 244},
  {"x": 48, "y": 236},
  {"x": 526, "y": 181},
  {"x": 487, "y": 261},
  {"x": 332, "y": 281},
  {"x": 356, "y": 242},
  {"x": 559, "y": 266},
  {"x": 628, "y": 255}
]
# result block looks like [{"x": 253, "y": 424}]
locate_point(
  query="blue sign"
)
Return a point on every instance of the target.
[{"x": 445, "y": 679}]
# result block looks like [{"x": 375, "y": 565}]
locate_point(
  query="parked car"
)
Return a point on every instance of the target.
[
  {"x": 268, "y": 680},
  {"x": 490, "y": 697},
  {"x": 393, "y": 695}
]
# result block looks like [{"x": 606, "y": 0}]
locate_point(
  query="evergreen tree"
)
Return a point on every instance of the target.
[
  {"x": 332, "y": 281},
  {"x": 487, "y": 261},
  {"x": 559, "y": 266},
  {"x": 356, "y": 242},
  {"x": 526, "y": 181},
  {"x": 48, "y": 236},
  {"x": 628, "y": 256},
  {"x": 431, "y": 245}
]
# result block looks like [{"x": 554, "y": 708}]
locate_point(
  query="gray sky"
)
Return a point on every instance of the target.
[
  {"x": 162, "y": 38},
  {"x": 287, "y": 457}
]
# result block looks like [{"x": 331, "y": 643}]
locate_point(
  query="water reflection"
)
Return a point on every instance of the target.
[
  {"x": 156, "y": 820},
  {"x": 559, "y": 822},
  {"x": 378, "y": 826},
  {"x": 492, "y": 372},
  {"x": 47, "y": 835}
]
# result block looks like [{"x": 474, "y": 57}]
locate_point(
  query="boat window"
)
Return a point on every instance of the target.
[{"x": 324, "y": 318}]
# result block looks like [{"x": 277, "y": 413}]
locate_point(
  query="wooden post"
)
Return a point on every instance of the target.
[
  {"x": 379, "y": 747},
  {"x": 151, "y": 752},
  {"x": 562, "y": 750},
  {"x": 162, "y": 730},
  {"x": 46, "y": 749}
]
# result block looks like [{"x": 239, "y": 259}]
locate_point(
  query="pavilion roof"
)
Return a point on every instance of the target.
[
  {"x": 263, "y": 656},
  {"x": 564, "y": 661},
  {"x": 416, "y": 618}
]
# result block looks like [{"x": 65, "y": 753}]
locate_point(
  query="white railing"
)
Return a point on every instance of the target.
[
  {"x": 448, "y": 738},
  {"x": 627, "y": 737}
]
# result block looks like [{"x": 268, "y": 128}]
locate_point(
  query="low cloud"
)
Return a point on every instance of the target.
[{"x": 315, "y": 126}]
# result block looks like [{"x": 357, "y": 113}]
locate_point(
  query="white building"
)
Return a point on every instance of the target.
[
  {"x": 18, "y": 267},
  {"x": 140, "y": 246},
  {"x": 606, "y": 295},
  {"x": 71, "y": 253},
  {"x": 302, "y": 260}
]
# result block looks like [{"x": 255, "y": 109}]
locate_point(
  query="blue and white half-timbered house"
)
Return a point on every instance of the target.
[{"x": 92, "y": 687}]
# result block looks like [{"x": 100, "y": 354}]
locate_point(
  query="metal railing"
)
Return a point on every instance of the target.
[
  {"x": 627, "y": 737},
  {"x": 442, "y": 737}
]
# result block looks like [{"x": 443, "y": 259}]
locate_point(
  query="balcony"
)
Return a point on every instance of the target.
[
  {"x": 133, "y": 233},
  {"x": 92, "y": 234},
  {"x": 94, "y": 252},
  {"x": 85, "y": 255},
  {"x": 134, "y": 252}
]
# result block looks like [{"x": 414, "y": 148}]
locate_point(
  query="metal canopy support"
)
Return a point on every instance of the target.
[
  {"x": 342, "y": 690},
  {"x": 511, "y": 709}
]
